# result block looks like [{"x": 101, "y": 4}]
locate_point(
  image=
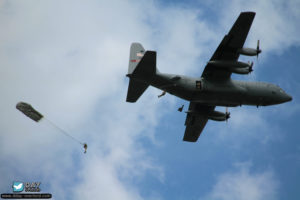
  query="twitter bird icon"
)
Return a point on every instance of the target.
[{"x": 18, "y": 186}]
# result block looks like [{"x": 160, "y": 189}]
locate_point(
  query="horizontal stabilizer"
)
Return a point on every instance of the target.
[{"x": 135, "y": 90}]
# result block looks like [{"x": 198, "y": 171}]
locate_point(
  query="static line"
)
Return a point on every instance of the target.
[{"x": 63, "y": 131}]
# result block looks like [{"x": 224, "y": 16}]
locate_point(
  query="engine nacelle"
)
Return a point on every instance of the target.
[
  {"x": 249, "y": 51},
  {"x": 229, "y": 64},
  {"x": 213, "y": 115},
  {"x": 218, "y": 116},
  {"x": 245, "y": 70}
]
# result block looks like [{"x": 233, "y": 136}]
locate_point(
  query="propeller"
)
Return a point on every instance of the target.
[
  {"x": 258, "y": 50},
  {"x": 227, "y": 114},
  {"x": 250, "y": 66}
]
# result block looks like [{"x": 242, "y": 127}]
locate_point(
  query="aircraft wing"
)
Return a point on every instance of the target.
[
  {"x": 228, "y": 48},
  {"x": 196, "y": 120}
]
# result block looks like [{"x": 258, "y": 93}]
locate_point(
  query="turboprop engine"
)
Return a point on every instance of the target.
[
  {"x": 218, "y": 116},
  {"x": 229, "y": 64},
  {"x": 233, "y": 66},
  {"x": 250, "y": 51},
  {"x": 245, "y": 70},
  {"x": 215, "y": 115}
]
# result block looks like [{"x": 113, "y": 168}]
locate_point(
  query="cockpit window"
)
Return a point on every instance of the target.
[{"x": 280, "y": 90}]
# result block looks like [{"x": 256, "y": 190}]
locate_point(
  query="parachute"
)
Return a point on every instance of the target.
[{"x": 30, "y": 112}]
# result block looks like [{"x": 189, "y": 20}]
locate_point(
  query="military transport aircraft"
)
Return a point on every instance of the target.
[{"x": 214, "y": 87}]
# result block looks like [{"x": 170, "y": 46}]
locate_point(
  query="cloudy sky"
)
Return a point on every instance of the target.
[{"x": 69, "y": 60}]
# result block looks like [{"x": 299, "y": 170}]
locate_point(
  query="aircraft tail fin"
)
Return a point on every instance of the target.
[
  {"x": 142, "y": 67},
  {"x": 136, "y": 53}
]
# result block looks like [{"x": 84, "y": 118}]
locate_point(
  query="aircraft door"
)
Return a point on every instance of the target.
[{"x": 199, "y": 85}]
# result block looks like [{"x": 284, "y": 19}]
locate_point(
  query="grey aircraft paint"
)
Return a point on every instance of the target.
[
  {"x": 214, "y": 87},
  {"x": 223, "y": 93}
]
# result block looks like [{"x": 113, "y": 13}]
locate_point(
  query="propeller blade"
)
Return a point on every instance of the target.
[
  {"x": 258, "y": 50},
  {"x": 250, "y": 69},
  {"x": 250, "y": 66},
  {"x": 227, "y": 114}
]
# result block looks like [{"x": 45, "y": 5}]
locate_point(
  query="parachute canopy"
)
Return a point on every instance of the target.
[{"x": 29, "y": 111}]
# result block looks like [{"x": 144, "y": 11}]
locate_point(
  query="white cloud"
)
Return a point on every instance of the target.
[
  {"x": 69, "y": 60},
  {"x": 99, "y": 178},
  {"x": 243, "y": 184}
]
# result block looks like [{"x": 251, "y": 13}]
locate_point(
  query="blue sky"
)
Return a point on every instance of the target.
[{"x": 69, "y": 60}]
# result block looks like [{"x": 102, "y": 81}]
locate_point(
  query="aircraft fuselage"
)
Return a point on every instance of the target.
[{"x": 220, "y": 93}]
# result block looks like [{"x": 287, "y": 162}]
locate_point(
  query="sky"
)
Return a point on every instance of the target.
[{"x": 69, "y": 60}]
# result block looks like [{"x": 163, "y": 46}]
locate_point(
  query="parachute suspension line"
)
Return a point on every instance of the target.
[{"x": 64, "y": 132}]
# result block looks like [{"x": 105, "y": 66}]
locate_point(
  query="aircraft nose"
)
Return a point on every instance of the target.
[{"x": 288, "y": 98}]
